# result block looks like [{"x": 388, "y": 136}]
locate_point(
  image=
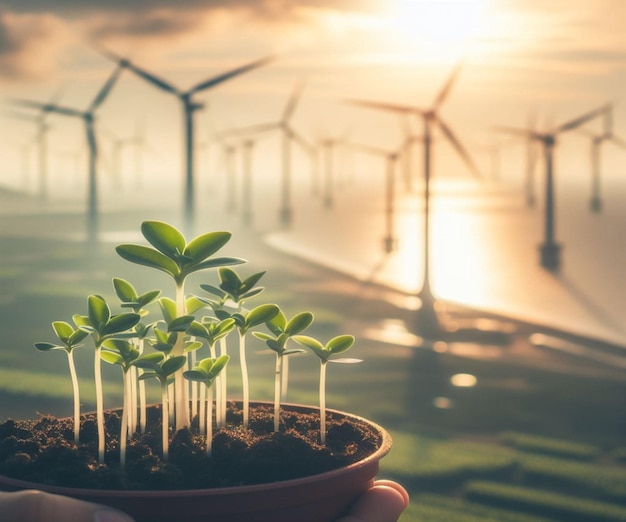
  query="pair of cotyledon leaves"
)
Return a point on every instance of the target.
[{"x": 173, "y": 255}]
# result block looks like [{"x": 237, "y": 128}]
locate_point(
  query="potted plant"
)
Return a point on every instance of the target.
[{"x": 197, "y": 454}]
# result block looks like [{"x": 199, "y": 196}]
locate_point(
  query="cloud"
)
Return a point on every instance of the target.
[{"x": 30, "y": 44}]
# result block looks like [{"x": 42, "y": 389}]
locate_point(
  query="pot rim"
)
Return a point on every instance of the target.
[{"x": 382, "y": 450}]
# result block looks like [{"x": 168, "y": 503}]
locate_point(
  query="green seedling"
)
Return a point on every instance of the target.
[
  {"x": 103, "y": 326},
  {"x": 70, "y": 338},
  {"x": 206, "y": 372},
  {"x": 157, "y": 365},
  {"x": 282, "y": 331},
  {"x": 130, "y": 298},
  {"x": 232, "y": 290},
  {"x": 244, "y": 322},
  {"x": 178, "y": 258},
  {"x": 325, "y": 353},
  {"x": 124, "y": 354},
  {"x": 213, "y": 332}
]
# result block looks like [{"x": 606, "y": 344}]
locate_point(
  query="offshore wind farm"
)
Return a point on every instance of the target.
[{"x": 480, "y": 235}]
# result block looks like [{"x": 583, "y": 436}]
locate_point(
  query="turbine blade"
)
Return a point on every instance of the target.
[
  {"x": 577, "y": 122},
  {"x": 516, "y": 131},
  {"x": 458, "y": 146},
  {"x": 618, "y": 141},
  {"x": 21, "y": 117},
  {"x": 149, "y": 77},
  {"x": 300, "y": 140},
  {"x": 91, "y": 139},
  {"x": 106, "y": 89},
  {"x": 230, "y": 74},
  {"x": 447, "y": 87},
  {"x": 293, "y": 102},
  {"x": 390, "y": 107},
  {"x": 47, "y": 107},
  {"x": 252, "y": 129}
]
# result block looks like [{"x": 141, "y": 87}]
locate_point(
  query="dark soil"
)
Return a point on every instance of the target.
[{"x": 43, "y": 451}]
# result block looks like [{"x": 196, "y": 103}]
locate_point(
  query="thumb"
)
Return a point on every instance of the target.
[
  {"x": 38, "y": 506},
  {"x": 383, "y": 502}
]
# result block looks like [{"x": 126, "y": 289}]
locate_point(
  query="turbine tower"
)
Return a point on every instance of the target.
[
  {"x": 427, "y": 319},
  {"x": 88, "y": 117},
  {"x": 41, "y": 138},
  {"x": 390, "y": 241},
  {"x": 189, "y": 106},
  {"x": 288, "y": 135},
  {"x": 595, "y": 203},
  {"x": 550, "y": 250}
]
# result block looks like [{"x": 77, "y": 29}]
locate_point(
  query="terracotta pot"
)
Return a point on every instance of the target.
[{"x": 317, "y": 498}]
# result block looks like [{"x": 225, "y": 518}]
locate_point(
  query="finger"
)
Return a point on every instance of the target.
[
  {"x": 381, "y": 503},
  {"x": 398, "y": 487},
  {"x": 37, "y": 506}
]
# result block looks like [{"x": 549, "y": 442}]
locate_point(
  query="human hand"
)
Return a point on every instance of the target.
[
  {"x": 383, "y": 502},
  {"x": 38, "y": 506}
]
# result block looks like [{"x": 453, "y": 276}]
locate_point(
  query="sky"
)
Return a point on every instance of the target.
[{"x": 555, "y": 59}]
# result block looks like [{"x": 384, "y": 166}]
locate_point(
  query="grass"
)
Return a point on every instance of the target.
[
  {"x": 546, "y": 503},
  {"x": 550, "y": 446}
]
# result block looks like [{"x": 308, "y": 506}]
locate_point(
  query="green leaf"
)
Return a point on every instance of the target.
[
  {"x": 261, "y": 314},
  {"x": 222, "y": 314},
  {"x": 99, "y": 313},
  {"x": 195, "y": 375},
  {"x": 77, "y": 336},
  {"x": 165, "y": 238},
  {"x": 217, "y": 262},
  {"x": 252, "y": 293},
  {"x": 145, "y": 256},
  {"x": 298, "y": 323},
  {"x": 81, "y": 320},
  {"x": 63, "y": 330},
  {"x": 230, "y": 281},
  {"x": 168, "y": 308},
  {"x": 194, "y": 304},
  {"x": 124, "y": 290},
  {"x": 46, "y": 347},
  {"x": 252, "y": 280},
  {"x": 292, "y": 351},
  {"x": 263, "y": 336},
  {"x": 219, "y": 364},
  {"x": 345, "y": 360},
  {"x": 180, "y": 324},
  {"x": 149, "y": 361},
  {"x": 147, "y": 297},
  {"x": 339, "y": 344},
  {"x": 112, "y": 357},
  {"x": 198, "y": 330},
  {"x": 206, "y": 245},
  {"x": 314, "y": 345},
  {"x": 121, "y": 323},
  {"x": 277, "y": 323},
  {"x": 214, "y": 290},
  {"x": 173, "y": 364},
  {"x": 192, "y": 346},
  {"x": 275, "y": 346}
]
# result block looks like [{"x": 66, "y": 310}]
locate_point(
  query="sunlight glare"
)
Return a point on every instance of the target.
[{"x": 442, "y": 28}]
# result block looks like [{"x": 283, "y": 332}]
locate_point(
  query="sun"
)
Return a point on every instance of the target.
[{"x": 442, "y": 27}]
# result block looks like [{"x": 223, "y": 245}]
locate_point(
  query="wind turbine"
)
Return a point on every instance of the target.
[
  {"x": 595, "y": 203},
  {"x": 288, "y": 135},
  {"x": 391, "y": 159},
  {"x": 427, "y": 318},
  {"x": 118, "y": 145},
  {"x": 88, "y": 117},
  {"x": 42, "y": 142},
  {"x": 189, "y": 106},
  {"x": 328, "y": 145},
  {"x": 550, "y": 250}
]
